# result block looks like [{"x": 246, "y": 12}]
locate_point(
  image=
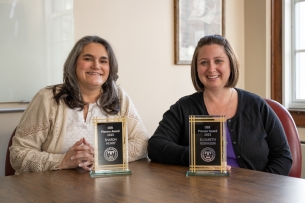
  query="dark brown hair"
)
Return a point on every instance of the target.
[
  {"x": 70, "y": 93},
  {"x": 234, "y": 65}
]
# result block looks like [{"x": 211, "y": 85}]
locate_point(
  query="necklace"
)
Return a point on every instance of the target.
[{"x": 227, "y": 107}]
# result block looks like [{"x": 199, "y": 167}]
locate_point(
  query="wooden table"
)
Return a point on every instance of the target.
[{"x": 151, "y": 182}]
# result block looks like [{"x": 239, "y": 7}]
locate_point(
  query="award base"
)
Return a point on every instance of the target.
[
  {"x": 208, "y": 173},
  {"x": 103, "y": 173}
]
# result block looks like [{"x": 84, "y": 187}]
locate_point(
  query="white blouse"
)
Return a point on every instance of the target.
[{"x": 78, "y": 128}]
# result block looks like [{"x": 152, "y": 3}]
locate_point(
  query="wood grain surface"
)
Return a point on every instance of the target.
[{"x": 151, "y": 182}]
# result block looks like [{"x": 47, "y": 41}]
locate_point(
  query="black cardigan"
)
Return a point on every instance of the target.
[{"x": 257, "y": 135}]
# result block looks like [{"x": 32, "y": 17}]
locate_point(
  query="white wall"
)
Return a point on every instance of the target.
[{"x": 257, "y": 75}]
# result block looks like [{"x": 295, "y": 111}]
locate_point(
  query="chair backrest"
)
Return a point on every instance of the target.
[
  {"x": 292, "y": 136},
  {"x": 8, "y": 167}
]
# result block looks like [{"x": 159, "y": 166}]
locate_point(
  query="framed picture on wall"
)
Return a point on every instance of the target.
[{"x": 195, "y": 19}]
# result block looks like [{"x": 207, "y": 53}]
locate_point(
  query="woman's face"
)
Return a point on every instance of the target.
[
  {"x": 92, "y": 67},
  {"x": 213, "y": 66}
]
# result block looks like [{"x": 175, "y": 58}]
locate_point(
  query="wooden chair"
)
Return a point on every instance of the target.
[
  {"x": 292, "y": 136},
  {"x": 8, "y": 167}
]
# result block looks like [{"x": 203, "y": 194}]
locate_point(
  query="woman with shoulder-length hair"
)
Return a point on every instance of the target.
[
  {"x": 56, "y": 130},
  {"x": 255, "y": 137}
]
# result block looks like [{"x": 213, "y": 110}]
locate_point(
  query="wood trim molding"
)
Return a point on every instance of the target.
[{"x": 276, "y": 50}]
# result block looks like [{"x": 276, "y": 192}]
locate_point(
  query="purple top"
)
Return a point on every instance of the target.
[{"x": 231, "y": 158}]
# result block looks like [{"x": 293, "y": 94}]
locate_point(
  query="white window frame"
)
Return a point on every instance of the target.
[{"x": 289, "y": 57}]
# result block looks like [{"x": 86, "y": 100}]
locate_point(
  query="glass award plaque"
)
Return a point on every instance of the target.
[
  {"x": 110, "y": 147},
  {"x": 208, "y": 152}
]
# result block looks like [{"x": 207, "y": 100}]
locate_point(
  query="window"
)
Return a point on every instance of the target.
[
  {"x": 294, "y": 54},
  {"x": 288, "y": 83},
  {"x": 298, "y": 47}
]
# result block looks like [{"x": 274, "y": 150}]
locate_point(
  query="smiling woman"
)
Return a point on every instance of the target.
[
  {"x": 92, "y": 68},
  {"x": 255, "y": 137},
  {"x": 56, "y": 130}
]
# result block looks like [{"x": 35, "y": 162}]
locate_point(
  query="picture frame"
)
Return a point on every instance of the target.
[{"x": 195, "y": 19}]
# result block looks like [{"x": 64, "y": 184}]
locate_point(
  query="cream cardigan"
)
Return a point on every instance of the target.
[{"x": 38, "y": 141}]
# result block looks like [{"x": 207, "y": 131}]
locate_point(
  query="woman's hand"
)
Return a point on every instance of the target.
[
  {"x": 81, "y": 154},
  {"x": 88, "y": 166}
]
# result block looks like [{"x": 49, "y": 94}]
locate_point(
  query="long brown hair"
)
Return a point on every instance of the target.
[{"x": 69, "y": 92}]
